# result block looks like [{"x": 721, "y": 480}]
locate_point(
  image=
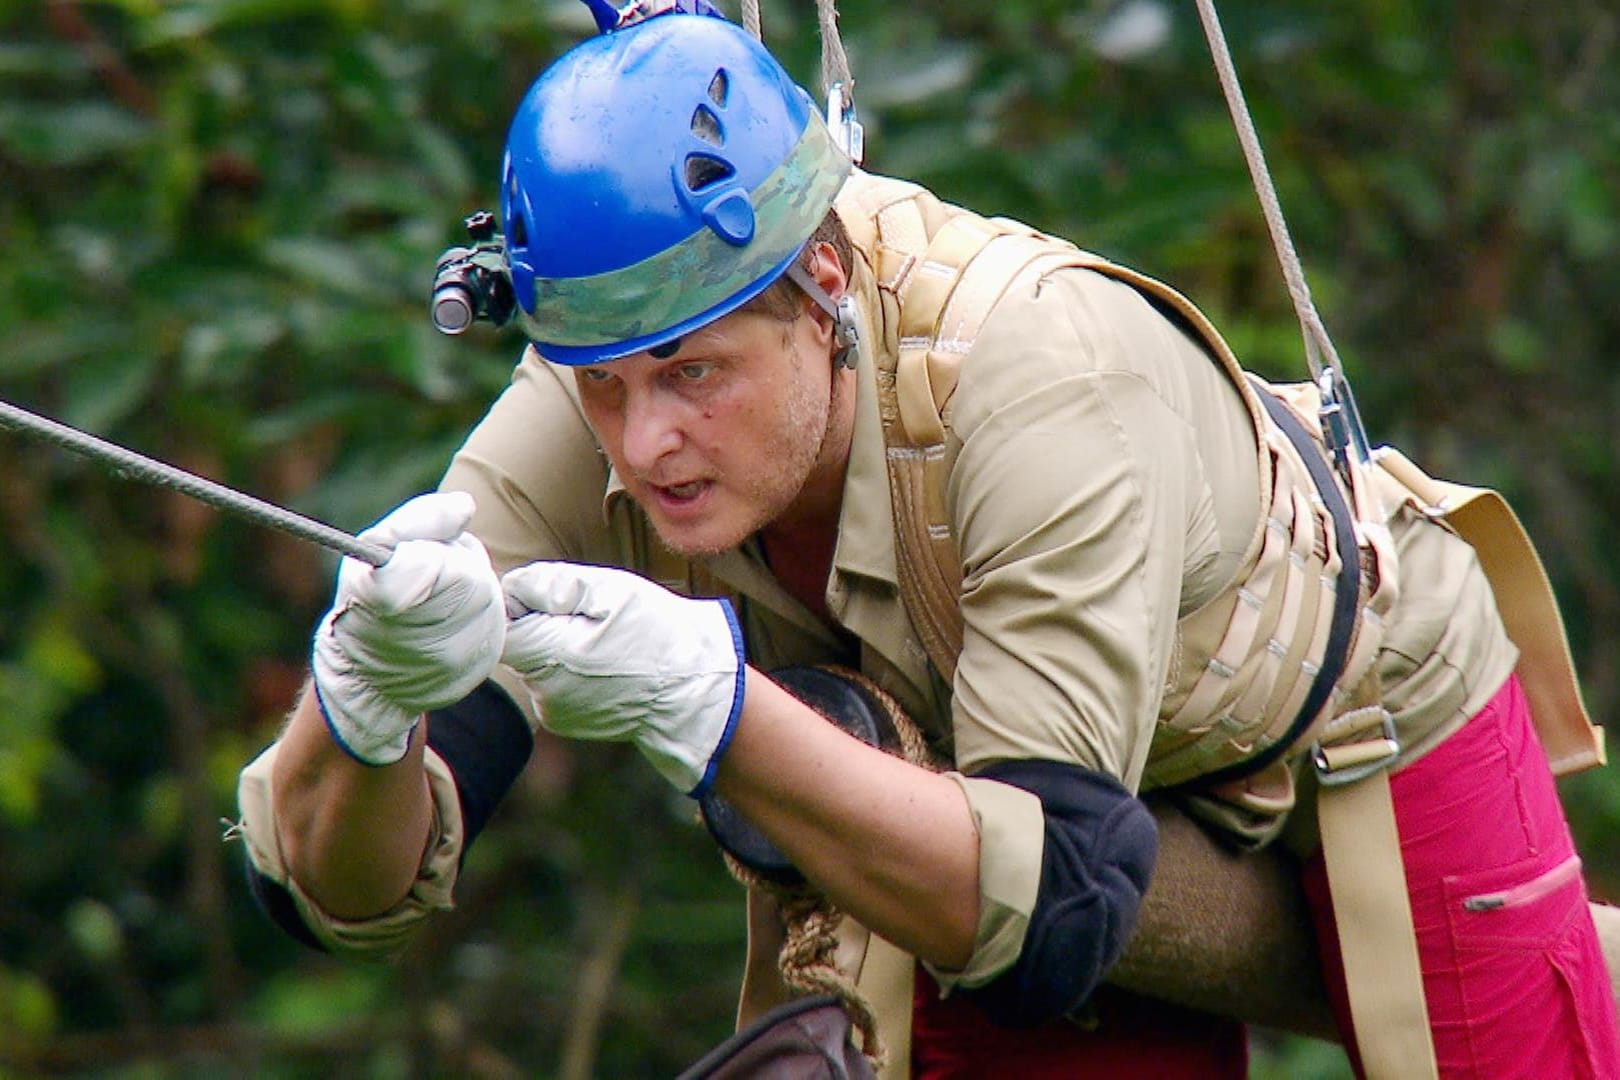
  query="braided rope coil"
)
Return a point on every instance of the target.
[{"x": 807, "y": 960}]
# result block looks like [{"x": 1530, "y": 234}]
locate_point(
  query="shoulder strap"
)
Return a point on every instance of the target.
[
  {"x": 946, "y": 289},
  {"x": 1527, "y": 604}
]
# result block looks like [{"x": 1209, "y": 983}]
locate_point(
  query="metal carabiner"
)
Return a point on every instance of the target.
[{"x": 842, "y": 122}]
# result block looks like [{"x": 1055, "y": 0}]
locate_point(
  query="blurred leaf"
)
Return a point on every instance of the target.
[
  {"x": 75, "y": 134},
  {"x": 438, "y": 155},
  {"x": 21, "y": 766},
  {"x": 702, "y": 923},
  {"x": 923, "y": 73},
  {"x": 94, "y": 928},
  {"x": 332, "y": 267},
  {"x": 56, "y": 654},
  {"x": 36, "y": 59},
  {"x": 102, "y": 389},
  {"x": 213, "y": 352},
  {"x": 311, "y": 1003},
  {"x": 1517, "y": 347},
  {"x": 186, "y": 19},
  {"x": 27, "y": 1007},
  {"x": 162, "y": 808}
]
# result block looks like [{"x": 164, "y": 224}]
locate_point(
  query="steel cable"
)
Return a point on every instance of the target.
[{"x": 127, "y": 463}]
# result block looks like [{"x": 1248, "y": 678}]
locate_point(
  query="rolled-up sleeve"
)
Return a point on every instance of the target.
[
  {"x": 1011, "y": 833},
  {"x": 381, "y": 936}
]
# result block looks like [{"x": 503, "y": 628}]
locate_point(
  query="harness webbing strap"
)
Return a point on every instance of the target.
[
  {"x": 1346, "y": 594},
  {"x": 1361, "y": 849},
  {"x": 1526, "y": 601}
]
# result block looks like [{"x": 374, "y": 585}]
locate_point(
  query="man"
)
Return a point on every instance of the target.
[{"x": 753, "y": 372}]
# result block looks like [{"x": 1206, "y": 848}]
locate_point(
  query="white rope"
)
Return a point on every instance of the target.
[
  {"x": 1318, "y": 346},
  {"x": 750, "y": 18},
  {"x": 1340, "y": 417}
]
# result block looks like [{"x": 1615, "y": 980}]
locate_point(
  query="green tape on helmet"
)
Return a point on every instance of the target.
[{"x": 702, "y": 273}]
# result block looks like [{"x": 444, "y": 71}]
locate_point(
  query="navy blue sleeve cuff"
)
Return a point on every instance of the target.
[
  {"x": 277, "y": 904},
  {"x": 1098, "y": 855},
  {"x": 485, "y": 740}
]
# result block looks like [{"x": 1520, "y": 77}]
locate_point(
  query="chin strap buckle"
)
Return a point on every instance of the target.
[{"x": 845, "y": 317}]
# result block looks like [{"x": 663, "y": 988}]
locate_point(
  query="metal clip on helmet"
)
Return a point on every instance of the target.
[{"x": 658, "y": 177}]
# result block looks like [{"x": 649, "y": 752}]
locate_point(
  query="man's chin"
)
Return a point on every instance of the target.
[{"x": 697, "y": 543}]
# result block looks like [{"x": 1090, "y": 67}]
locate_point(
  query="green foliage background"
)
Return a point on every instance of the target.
[{"x": 218, "y": 220}]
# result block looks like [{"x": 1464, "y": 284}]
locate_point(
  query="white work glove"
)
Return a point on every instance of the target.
[
  {"x": 417, "y": 633},
  {"x": 609, "y": 655}
]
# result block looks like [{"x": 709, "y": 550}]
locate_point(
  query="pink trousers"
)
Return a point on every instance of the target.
[
  {"x": 1515, "y": 981},
  {"x": 1512, "y": 970}
]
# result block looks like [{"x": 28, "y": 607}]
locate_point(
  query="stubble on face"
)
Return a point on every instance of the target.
[{"x": 773, "y": 464}]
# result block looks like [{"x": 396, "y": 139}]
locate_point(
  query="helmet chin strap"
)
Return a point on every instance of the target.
[{"x": 846, "y": 326}]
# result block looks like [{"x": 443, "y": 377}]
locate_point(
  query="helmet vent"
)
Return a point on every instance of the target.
[
  {"x": 517, "y": 230},
  {"x": 706, "y": 126},
  {"x": 703, "y": 171},
  {"x": 719, "y": 87}
]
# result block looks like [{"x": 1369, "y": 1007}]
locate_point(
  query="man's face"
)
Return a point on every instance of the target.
[{"x": 723, "y": 436}]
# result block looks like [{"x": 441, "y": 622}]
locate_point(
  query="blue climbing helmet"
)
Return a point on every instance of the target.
[{"x": 657, "y": 177}]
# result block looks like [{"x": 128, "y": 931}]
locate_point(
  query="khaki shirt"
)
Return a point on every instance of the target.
[{"x": 1102, "y": 484}]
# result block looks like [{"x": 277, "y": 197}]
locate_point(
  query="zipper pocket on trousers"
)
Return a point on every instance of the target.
[{"x": 1530, "y": 891}]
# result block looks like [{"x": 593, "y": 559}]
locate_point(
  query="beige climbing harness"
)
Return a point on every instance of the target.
[{"x": 949, "y": 282}]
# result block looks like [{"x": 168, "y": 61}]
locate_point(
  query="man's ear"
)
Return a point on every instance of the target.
[{"x": 827, "y": 269}]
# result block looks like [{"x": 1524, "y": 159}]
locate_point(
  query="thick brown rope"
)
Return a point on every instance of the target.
[
  {"x": 807, "y": 960},
  {"x": 834, "y": 61}
]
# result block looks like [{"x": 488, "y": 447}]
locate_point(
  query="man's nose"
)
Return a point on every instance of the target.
[{"x": 652, "y": 430}]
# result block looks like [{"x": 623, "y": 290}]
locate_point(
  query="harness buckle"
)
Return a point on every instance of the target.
[{"x": 1346, "y": 763}]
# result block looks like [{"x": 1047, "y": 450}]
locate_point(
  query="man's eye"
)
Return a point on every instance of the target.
[
  {"x": 694, "y": 372},
  {"x": 595, "y": 375}
]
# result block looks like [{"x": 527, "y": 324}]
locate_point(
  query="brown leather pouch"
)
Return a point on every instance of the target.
[{"x": 807, "y": 1039}]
